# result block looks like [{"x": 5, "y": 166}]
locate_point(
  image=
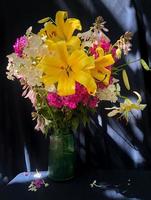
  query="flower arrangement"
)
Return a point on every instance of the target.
[{"x": 67, "y": 75}]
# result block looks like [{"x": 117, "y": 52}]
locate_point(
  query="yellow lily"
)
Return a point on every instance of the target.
[
  {"x": 63, "y": 29},
  {"x": 100, "y": 72},
  {"x": 65, "y": 69},
  {"x": 126, "y": 107}
]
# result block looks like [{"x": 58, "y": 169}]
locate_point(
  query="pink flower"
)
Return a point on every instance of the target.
[
  {"x": 40, "y": 126},
  {"x": 20, "y": 45},
  {"x": 72, "y": 101},
  {"x": 105, "y": 44},
  {"x": 32, "y": 96},
  {"x": 54, "y": 100},
  {"x": 114, "y": 54},
  {"x": 38, "y": 183},
  {"x": 100, "y": 85},
  {"x": 93, "y": 102},
  {"x": 93, "y": 50}
]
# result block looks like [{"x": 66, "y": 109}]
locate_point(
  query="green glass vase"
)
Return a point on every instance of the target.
[{"x": 61, "y": 157}]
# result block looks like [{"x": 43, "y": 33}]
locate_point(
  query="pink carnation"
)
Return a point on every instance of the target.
[
  {"x": 93, "y": 51},
  {"x": 105, "y": 45},
  {"x": 72, "y": 101},
  {"x": 38, "y": 183},
  {"x": 54, "y": 100},
  {"x": 20, "y": 45},
  {"x": 93, "y": 102}
]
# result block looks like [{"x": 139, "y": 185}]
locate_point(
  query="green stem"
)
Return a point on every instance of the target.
[
  {"x": 53, "y": 118},
  {"x": 122, "y": 97},
  {"x": 127, "y": 63},
  {"x": 52, "y": 20}
]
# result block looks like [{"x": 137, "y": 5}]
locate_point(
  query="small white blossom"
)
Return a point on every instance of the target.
[
  {"x": 51, "y": 88},
  {"x": 35, "y": 47},
  {"x": 110, "y": 93}
]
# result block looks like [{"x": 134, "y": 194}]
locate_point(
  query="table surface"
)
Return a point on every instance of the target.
[{"x": 111, "y": 185}]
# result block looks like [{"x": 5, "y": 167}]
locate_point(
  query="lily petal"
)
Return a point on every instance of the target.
[
  {"x": 80, "y": 61},
  {"x": 49, "y": 63},
  {"x": 71, "y": 25},
  {"x": 66, "y": 85},
  {"x": 60, "y": 17},
  {"x": 113, "y": 113},
  {"x": 102, "y": 75},
  {"x": 73, "y": 43},
  {"x": 49, "y": 30},
  {"x": 86, "y": 80},
  {"x": 105, "y": 61},
  {"x": 62, "y": 49}
]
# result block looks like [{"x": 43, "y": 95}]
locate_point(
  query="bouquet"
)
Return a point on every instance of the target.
[{"x": 66, "y": 75}]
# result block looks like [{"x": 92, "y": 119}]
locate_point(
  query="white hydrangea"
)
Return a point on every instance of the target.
[
  {"x": 35, "y": 47},
  {"x": 25, "y": 67},
  {"x": 14, "y": 63},
  {"x": 33, "y": 80},
  {"x": 110, "y": 93}
]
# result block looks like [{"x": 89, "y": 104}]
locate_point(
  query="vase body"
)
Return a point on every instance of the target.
[{"x": 61, "y": 157}]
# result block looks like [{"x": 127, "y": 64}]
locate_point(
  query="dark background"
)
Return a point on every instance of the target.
[{"x": 112, "y": 145}]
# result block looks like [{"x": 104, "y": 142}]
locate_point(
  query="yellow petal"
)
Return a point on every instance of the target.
[
  {"x": 50, "y": 44},
  {"x": 100, "y": 51},
  {"x": 49, "y": 62},
  {"x": 103, "y": 77},
  {"x": 71, "y": 25},
  {"x": 101, "y": 72},
  {"x": 80, "y": 61},
  {"x": 62, "y": 50},
  {"x": 86, "y": 80},
  {"x": 48, "y": 81},
  {"x": 60, "y": 17},
  {"x": 66, "y": 85},
  {"x": 73, "y": 43},
  {"x": 125, "y": 79},
  {"x": 105, "y": 61},
  {"x": 51, "y": 75},
  {"x": 49, "y": 30}
]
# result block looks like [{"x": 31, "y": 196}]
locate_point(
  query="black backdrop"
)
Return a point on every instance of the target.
[{"x": 106, "y": 143}]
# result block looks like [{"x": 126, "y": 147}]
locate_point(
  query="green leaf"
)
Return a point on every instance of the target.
[
  {"x": 75, "y": 123},
  {"x": 144, "y": 65},
  {"x": 85, "y": 120}
]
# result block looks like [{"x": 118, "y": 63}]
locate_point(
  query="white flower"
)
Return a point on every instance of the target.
[
  {"x": 126, "y": 107},
  {"x": 51, "y": 88},
  {"x": 31, "y": 94},
  {"x": 31, "y": 74},
  {"x": 110, "y": 93},
  {"x": 14, "y": 63},
  {"x": 35, "y": 47},
  {"x": 25, "y": 67}
]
